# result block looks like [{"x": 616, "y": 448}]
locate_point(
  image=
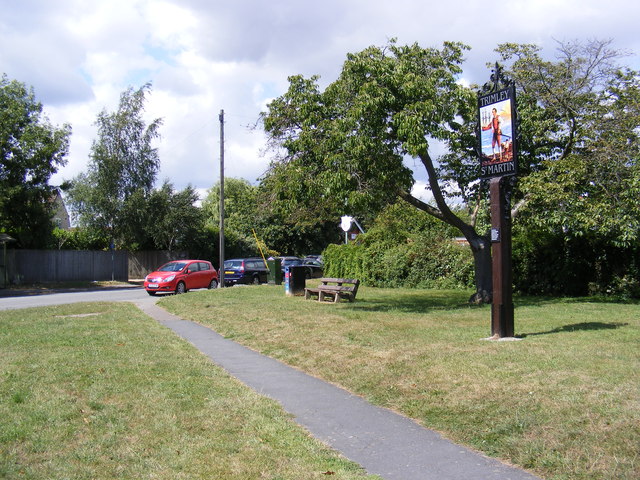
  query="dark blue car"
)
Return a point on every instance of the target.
[{"x": 245, "y": 271}]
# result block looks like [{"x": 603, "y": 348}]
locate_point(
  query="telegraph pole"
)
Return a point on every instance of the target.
[{"x": 221, "y": 271}]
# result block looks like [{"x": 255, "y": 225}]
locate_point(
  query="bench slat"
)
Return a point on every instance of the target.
[
  {"x": 339, "y": 280},
  {"x": 337, "y": 288}
]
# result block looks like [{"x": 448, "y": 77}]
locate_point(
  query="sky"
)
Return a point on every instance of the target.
[{"x": 205, "y": 56}]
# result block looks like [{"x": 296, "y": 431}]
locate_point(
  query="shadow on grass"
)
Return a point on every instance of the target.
[
  {"x": 417, "y": 301},
  {"x": 412, "y": 302},
  {"x": 528, "y": 301},
  {"x": 584, "y": 326}
]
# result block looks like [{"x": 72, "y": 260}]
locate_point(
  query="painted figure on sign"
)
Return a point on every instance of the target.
[{"x": 496, "y": 125}]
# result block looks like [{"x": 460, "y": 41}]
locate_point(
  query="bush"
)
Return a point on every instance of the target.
[
  {"x": 442, "y": 264},
  {"x": 79, "y": 239},
  {"x": 546, "y": 263},
  {"x": 404, "y": 248}
]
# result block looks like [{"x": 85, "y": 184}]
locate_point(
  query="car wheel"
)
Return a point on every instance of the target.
[
  {"x": 213, "y": 284},
  {"x": 151, "y": 293},
  {"x": 181, "y": 288},
  {"x": 256, "y": 280}
]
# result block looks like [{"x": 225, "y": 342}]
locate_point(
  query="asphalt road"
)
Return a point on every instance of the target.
[{"x": 13, "y": 299}]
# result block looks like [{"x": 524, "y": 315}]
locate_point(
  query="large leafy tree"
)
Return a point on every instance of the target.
[
  {"x": 248, "y": 208},
  {"x": 587, "y": 183},
  {"x": 31, "y": 151},
  {"x": 578, "y": 139},
  {"x": 578, "y": 212},
  {"x": 122, "y": 170},
  {"x": 240, "y": 212},
  {"x": 345, "y": 146},
  {"x": 240, "y": 205},
  {"x": 578, "y": 142},
  {"x": 285, "y": 226}
]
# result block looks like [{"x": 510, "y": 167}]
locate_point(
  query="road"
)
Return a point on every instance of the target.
[{"x": 27, "y": 299}]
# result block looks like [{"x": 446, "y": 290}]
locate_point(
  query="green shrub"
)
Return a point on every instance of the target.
[
  {"x": 404, "y": 248},
  {"x": 442, "y": 264},
  {"x": 547, "y": 263}
]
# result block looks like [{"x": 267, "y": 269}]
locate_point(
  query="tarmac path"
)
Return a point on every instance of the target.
[{"x": 381, "y": 441}]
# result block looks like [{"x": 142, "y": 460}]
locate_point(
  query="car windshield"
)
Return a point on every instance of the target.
[
  {"x": 233, "y": 264},
  {"x": 172, "y": 267}
]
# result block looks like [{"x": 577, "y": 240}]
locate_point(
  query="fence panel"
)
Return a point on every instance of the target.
[
  {"x": 145, "y": 262},
  {"x": 39, "y": 266},
  {"x": 36, "y": 266}
]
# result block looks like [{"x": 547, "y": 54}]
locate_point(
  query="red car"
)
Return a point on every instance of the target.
[{"x": 180, "y": 276}]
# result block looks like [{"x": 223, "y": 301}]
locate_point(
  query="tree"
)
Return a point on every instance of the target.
[
  {"x": 286, "y": 227},
  {"x": 345, "y": 146},
  {"x": 249, "y": 208},
  {"x": 122, "y": 170},
  {"x": 239, "y": 205},
  {"x": 240, "y": 211},
  {"x": 31, "y": 151},
  {"x": 349, "y": 140},
  {"x": 173, "y": 219},
  {"x": 580, "y": 197},
  {"x": 587, "y": 179}
]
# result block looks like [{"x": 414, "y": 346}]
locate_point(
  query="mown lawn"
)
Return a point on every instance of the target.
[
  {"x": 101, "y": 391},
  {"x": 562, "y": 402}
]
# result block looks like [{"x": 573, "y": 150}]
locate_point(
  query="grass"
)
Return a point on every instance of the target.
[
  {"x": 101, "y": 391},
  {"x": 562, "y": 402}
]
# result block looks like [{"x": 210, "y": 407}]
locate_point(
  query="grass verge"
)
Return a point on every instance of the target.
[
  {"x": 562, "y": 402},
  {"x": 101, "y": 391}
]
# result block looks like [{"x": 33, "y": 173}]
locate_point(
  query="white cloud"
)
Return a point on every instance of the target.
[
  {"x": 171, "y": 26},
  {"x": 203, "y": 56},
  {"x": 422, "y": 192}
]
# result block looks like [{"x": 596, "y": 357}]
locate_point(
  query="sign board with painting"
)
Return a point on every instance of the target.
[{"x": 496, "y": 116}]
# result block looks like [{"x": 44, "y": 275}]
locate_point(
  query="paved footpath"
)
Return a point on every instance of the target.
[{"x": 381, "y": 441}]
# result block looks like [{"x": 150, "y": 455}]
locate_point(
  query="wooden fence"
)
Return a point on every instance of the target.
[
  {"x": 40, "y": 266},
  {"x": 143, "y": 263}
]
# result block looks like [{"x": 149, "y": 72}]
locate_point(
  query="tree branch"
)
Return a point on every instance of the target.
[
  {"x": 445, "y": 213},
  {"x": 518, "y": 206},
  {"x": 420, "y": 205}
]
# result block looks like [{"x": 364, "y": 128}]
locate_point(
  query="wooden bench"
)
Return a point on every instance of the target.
[{"x": 334, "y": 288}]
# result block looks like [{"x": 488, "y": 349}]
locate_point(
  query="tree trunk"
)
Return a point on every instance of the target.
[{"x": 481, "y": 248}]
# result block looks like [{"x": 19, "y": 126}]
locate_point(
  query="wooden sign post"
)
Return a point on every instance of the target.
[
  {"x": 498, "y": 164},
  {"x": 502, "y": 306}
]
